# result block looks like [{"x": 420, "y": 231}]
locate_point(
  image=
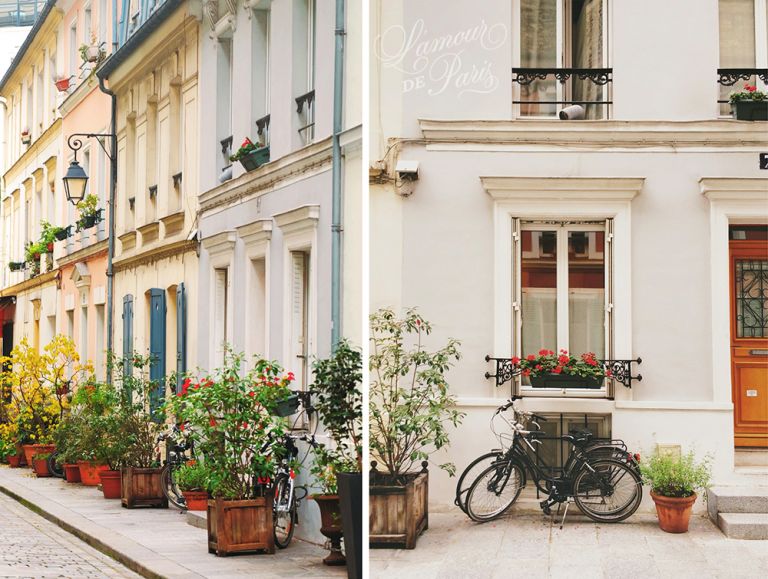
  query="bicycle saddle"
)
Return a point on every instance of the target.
[{"x": 581, "y": 436}]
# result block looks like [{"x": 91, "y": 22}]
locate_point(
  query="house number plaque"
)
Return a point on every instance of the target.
[
  {"x": 751, "y": 393},
  {"x": 764, "y": 161}
]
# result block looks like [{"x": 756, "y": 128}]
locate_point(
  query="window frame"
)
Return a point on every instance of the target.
[
  {"x": 564, "y": 55},
  {"x": 561, "y": 227}
]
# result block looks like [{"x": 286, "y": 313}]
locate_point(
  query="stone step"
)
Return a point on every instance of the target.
[
  {"x": 751, "y": 457},
  {"x": 744, "y": 525},
  {"x": 737, "y": 499}
]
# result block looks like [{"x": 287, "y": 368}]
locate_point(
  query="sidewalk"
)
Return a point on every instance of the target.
[
  {"x": 533, "y": 546},
  {"x": 152, "y": 542}
]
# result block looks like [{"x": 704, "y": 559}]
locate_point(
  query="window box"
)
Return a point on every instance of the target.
[
  {"x": 255, "y": 159},
  {"x": 63, "y": 233},
  {"x": 287, "y": 406},
  {"x": 89, "y": 220},
  {"x": 565, "y": 381},
  {"x": 750, "y": 110},
  {"x": 17, "y": 265}
]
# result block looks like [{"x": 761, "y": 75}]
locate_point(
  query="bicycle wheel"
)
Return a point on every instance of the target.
[
  {"x": 470, "y": 474},
  {"x": 609, "y": 492},
  {"x": 54, "y": 466},
  {"x": 284, "y": 515},
  {"x": 170, "y": 489},
  {"x": 494, "y": 491}
]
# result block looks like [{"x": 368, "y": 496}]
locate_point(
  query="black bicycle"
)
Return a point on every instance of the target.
[
  {"x": 601, "y": 477},
  {"x": 55, "y": 467},
  {"x": 179, "y": 451}
]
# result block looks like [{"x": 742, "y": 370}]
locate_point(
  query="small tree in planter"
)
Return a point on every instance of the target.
[
  {"x": 410, "y": 412},
  {"x": 338, "y": 399},
  {"x": 233, "y": 416},
  {"x": 674, "y": 481}
]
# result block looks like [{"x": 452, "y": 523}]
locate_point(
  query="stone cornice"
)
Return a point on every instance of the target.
[
  {"x": 83, "y": 254},
  {"x": 553, "y": 188},
  {"x": 28, "y": 284},
  {"x": 299, "y": 218},
  {"x": 156, "y": 254},
  {"x": 596, "y": 134},
  {"x": 220, "y": 243},
  {"x": 735, "y": 188},
  {"x": 297, "y": 165}
]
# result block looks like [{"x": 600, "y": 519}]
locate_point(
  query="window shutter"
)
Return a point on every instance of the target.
[
  {"x": 127, "y": 335},
  {"x": 298, "y": 316},
  {"x": 157, "y": 348},
  {"x": 181, "y": 334}
]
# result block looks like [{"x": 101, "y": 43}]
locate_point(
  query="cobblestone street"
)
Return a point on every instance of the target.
[{"x": 34, "y": 547}]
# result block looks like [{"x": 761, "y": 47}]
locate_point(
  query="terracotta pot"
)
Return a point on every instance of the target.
[
  {"x": 330, "y": 520},
  {"x": 196, "y": 500},
  {"x": 40, "y": 466},
  {"x": 30, "y": 450},
  {"x": 110, "y": 483},
  {"x": 62, "y": 84},
  {"x": 72, "y": 473},
  {"x": 14, "y": 460},
  {"x": 674, "y": 513},
  {"x": 89, "y": 472}
]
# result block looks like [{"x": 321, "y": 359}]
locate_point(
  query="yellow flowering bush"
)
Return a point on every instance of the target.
[{"x": 39, "y": 384}]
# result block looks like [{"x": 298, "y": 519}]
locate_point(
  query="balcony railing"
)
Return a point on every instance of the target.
[
  {"x": 536, "y": 83},
  {"x": 19, "y": 12}
]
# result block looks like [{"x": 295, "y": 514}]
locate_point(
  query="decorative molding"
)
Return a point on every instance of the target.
[
  {"x": 81, "y": 275},
  {"x": 558, "y": 188},
  {"x": 128, "y": 240},
  {"x": 81, "y": 254},
  {"x": 255, "y": 233},
  {"x": 586, "y": 133},
  {"x": 29, "y": 157},
  {"x": 99, "y": 296},
  {"x": 734, "y": 188},
  {"x": 158, "y": 253},
  {"x": 306, "y": 162},
  {"x": 304, "y": 217},
  {"x": 173, "y": 223},
  {"x": 37, "y": 281},
  {"x": 221, "y": 243},
  {"x": 149, "y": 232}
]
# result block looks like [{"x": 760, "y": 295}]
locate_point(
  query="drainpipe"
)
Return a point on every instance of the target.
[
  {"x": 111, "y": 242},
  {"x": 338, "y": 101}
]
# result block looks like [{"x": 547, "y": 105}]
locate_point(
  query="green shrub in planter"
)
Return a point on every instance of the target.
[
  {"x": 672, "y": 476},
  {"x": 192, "y": 477}
]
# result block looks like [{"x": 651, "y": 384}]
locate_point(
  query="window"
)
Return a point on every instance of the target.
[
  {"x": 102, "y": 21},
  {"x": 260, "y": 73},
  {"x": 563, "y": 288},
  {"x": 152, "y": 152},
  {"x": 743, "y": 42},
  {"x": 221, "y": 327},
  {"x": 99, "y": 366},
  {"x": 224, "y": 101},
  {"x": 84, "y": 327},
  {"x": 71, "y": 324},
  {"x": 299, "y": 315},
  {"x": 304, "y": 69},
  {"x": 87, "y": 25},
  {"x": 73, "y": 46},
  {"x": 556, "y": 34}
]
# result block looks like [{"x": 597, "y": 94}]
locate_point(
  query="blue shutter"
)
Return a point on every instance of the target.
[
  {"x": 157, "y": 349},
  {"x": 181, "y": 334},
  {"x": 127, "y": 334}
]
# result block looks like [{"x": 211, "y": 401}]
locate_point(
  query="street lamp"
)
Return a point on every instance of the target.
[{"x": 74, "y": 183}]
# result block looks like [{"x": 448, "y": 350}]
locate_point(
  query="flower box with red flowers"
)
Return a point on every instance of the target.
[
  {"x": 251, "y": 155},
  {"x": 750, "y": 104},
  {"x": 551, "y": 370}
]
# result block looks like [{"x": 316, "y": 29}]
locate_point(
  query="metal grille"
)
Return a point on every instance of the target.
[{"x": 752, "y": 298}]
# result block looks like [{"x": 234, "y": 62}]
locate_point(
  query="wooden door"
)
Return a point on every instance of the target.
[{"x": 749, "y": 341}]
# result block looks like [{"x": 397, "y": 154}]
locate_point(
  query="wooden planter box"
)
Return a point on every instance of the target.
[
  {"x": 398, "y": 514},
  {"x": 240, "y": 526},
  {"x": 750, "y": 110},
  {"x": 565, "y": 381},
  {"x": 142, "y": 487}
]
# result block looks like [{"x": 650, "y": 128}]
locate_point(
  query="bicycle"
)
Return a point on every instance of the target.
[
  {"x": 175, "y": 457},
  {"x": 598, "y": 448},
  {"x": 54, "y": 466},
  {"x": 604, "y": 484}
]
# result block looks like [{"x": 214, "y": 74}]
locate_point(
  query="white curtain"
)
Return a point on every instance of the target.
[
  {"x": 587, "y": 52},
  {"x": 538, "y": 49},
  {"x": 737, "y": 42}
]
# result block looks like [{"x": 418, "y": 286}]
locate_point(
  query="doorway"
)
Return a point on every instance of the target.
[{"x": 748, "y": 254}]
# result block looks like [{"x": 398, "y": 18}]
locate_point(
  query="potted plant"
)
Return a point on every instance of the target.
[
  {"x": 324, "y": 470},
  {"x": 51, "y": 233},
  {"x": 251, "y": 155},
  {"x": 92, "y": 52},
  {"x": 410, "y": 412},
  {"x": 68, "y": 438},
  {"x": 674, "y": 481},
  {"x": 550, "y": 370},
  {"x": 749, "y": 104},
  {"x": 232, "y": 416},
  {"x": 34, "y": 251},
  {"x": 90, "y": 215},
  {"x": 192, "y": 480},
  {"x": 338, "y": 400},
  {"x": 40, "y": 464},
  {"x": 17, "y": 265},
  {"x": 62, "y": 83},
  {"x": 26, "y": 137}
]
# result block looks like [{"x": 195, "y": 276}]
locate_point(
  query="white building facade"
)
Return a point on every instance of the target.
[{"x": 636, "y": 233}]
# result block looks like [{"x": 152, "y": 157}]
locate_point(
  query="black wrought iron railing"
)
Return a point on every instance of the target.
[
  {"x": 728, "y": 77},
  {"x": 620, "y": 371},
  {"x": 600, "y": 77}
]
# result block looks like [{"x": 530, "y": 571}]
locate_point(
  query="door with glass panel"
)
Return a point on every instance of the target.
[
  {"x": 563, "y": 294},
  {"x": 749, "y": 334}
]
